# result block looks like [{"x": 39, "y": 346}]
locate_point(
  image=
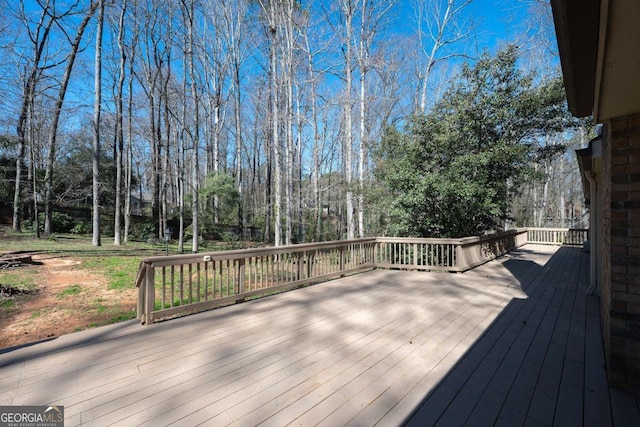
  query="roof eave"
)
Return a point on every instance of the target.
[{"x": 576, "y": 23}]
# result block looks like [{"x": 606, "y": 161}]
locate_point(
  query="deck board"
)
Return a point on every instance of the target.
[{"x": 513, "y": 342}]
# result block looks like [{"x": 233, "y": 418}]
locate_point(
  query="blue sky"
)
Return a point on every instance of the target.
[
  {"x": 491, "y": 23},
  {"x": 499, "y": 21}
]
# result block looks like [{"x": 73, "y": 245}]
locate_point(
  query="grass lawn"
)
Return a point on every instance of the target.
[{"x": 71, "y": 286}]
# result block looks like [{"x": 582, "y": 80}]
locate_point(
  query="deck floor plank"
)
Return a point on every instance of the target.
[
  {"x": 484, "y": 355},
  {"x": 513, "y": 342}
]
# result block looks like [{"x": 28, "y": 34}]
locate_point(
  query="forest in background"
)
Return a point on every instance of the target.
[{"x": 284, "y": 116}]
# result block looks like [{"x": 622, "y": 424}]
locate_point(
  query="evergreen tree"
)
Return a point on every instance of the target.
[{"x": 452, "y": 172}]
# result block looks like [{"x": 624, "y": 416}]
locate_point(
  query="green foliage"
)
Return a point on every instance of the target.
[
  {"x": 452, "y": 172},
  {"x": 8, "y": 145},
  {"x": 221, "y": 186},
  {"x": 81, "y": 228},
  {"x": 7, "y": 179},
  {"x": 60, "y": 222},
  {"x": 141, "y": 228}
]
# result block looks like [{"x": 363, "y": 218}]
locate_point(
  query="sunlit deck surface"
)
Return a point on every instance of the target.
[{"x": 514, "y": 342}]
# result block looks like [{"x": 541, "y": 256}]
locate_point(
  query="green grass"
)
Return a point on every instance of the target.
[
  {"x": 7, "y": 304},
  {"x": 119, "y": 264},
  {"x": 75, "y": 245},
  {"x": 19, "y": 278},
  {"x": 125, "y": 315},
  {"x": 68, "y": 291},
  {"x": 120, "y": 271}
]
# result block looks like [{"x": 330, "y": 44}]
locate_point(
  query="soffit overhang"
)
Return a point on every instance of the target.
[{"x": 599, "y": 45}]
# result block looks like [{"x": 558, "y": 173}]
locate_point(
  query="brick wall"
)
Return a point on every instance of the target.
[
  {"x": 605, "y": 251},
  {"x": 621, "y": 252}
]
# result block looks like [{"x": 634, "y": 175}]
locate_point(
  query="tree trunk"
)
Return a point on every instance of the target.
[
  {"x": 348, "y": 9},
  {"x": 25, "y": 110},
  {"x": 96, "y": 126},
  {"x": 117, "y": 214},
  {"x": 55, "y": 119},
  {"x": 273, "y": 61},
  {"x": 196, "y": 131},
  {"x": 315, "y": 174}
]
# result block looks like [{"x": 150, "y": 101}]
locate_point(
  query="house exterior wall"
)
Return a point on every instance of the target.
[
  {"x": 621, "y": 251},
  {"x": 597, "y": 212}
]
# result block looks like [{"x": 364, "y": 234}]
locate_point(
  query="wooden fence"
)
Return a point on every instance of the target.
[{"x": 176, "y": 285}]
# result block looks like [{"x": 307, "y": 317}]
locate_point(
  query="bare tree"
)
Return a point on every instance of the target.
[
  {"x": 271, "y": 14},
  {"x": 119, "y": 131},
  {"x": 234, "y": 14},
  {"x": 287, "y": 70},
  {"x": 371, "y": 21},
  {"x": 438, "y": 26},
  {"x": 188, "y": 10},
  {"x": 348, "y": 9},
  {"x": 57, "y": 111},
  {"x": 39, "y": 39},
  {"x": 129, "y": 148},
  {"x": 97, "y": 106}
]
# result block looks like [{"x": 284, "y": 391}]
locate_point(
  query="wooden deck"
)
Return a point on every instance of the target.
[{"x": 513, "y": 342}]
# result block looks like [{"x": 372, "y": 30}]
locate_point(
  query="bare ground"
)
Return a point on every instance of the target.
[{"x": 67, "y": 299}]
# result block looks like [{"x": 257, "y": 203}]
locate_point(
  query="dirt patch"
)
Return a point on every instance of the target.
[{"x": 67, "y": 299}]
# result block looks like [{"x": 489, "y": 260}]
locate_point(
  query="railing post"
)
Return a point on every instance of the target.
[
  {"x": 150, "y": 290},
  {"x": 461, "y": 260}
]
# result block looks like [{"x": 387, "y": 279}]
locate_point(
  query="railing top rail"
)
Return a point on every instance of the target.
[
  {"x": 453, "y": 241},
  {"x": 491, "y": 236},
  {"x": 251, "y": 252},
  {"x": 555, "y": 229},
  {"x": 418, "y": 240}
]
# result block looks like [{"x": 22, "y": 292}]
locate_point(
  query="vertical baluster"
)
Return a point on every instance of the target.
[
  {"x": 228, "y": 274},
  {"x": 262, "y": 274},
  {"x": 164, "y": 286},
  {"x": 181, "y": 284},
  {"x": 206, "y": 280},
  {"x": 240, "y": 276},
  {"x": 250, "y": 274},
  {"x": 173, "y": 273},
  {"x": 190, "y": 283},
  {"x": 198, "y": 281}
]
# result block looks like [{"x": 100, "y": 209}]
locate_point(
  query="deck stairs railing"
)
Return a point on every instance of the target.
[{"x": 176, "y": 285}]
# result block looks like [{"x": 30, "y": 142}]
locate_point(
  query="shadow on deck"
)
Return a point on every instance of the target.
[{"x": 540, "y": 363}]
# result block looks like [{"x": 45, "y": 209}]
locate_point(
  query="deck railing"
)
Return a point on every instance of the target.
[
  {"x": 181, "y": 284},
  {"x": 176, "y": 285},
  {"x": 454, "y": 255},
  {"x": 557, "y": 236}
]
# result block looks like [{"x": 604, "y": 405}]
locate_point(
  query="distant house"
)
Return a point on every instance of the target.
[
  {"x": 140, "y": 205},
  {"x": 599, "y": 42}
]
